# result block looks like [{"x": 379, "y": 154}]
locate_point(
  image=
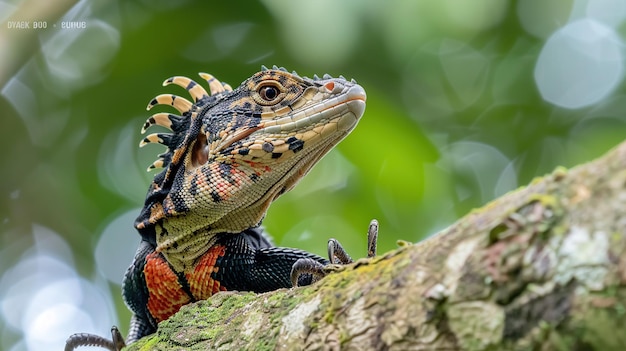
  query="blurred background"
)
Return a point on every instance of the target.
[{"x": 467, "y": 100}]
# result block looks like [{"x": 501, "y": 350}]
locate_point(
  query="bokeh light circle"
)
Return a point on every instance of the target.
[{"x": 580, "y": 64}]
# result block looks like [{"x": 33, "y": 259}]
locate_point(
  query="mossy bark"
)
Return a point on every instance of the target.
[{"x": 541, "y": 268}]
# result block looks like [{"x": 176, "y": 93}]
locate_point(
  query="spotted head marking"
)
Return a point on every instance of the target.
[{"x": 232, "y": 152}]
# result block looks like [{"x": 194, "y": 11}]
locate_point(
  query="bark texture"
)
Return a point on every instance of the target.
[{"x": 541, "y": 268}]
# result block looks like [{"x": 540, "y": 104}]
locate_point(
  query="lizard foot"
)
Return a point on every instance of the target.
[
  {"x": 336, "y": 255},
  {"x": 83, "y": 339}
]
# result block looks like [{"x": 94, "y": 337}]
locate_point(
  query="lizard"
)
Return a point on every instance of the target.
[{"x": 230, "y": 154}]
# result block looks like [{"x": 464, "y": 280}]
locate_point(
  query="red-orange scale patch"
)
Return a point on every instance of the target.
[
  {"x": 167, "y": 296},
  {"x": 201, "y": 284}
]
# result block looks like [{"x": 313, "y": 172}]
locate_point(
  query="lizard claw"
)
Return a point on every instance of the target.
[
  {"x": 306, "y": 266},
  {"x": 336, "y": 255},
  {"x": 117, "y": 338},
  {"x": 372, "y": 238}
]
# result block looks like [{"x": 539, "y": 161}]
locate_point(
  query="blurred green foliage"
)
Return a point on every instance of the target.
[{"x": 454, "y": 117}]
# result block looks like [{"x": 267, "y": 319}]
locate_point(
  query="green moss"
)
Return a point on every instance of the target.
[
  {"x": 213, "y": 332},
  {"x": 274, "y": 299},
  {"x": 280, "y": 298},
  {"x": 343, "y": 337},
  {"x": 148, "y": 343},
  {"x": 545, "y": 199},
  {"x": 264, "y": 345},
  {"x": 238, "y": 301},
  {"x": 560, "y": 172},
  {"x": 329, "y": 316}
]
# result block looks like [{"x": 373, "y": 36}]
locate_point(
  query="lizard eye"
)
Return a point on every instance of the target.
[{"x": 269, "y": 93}]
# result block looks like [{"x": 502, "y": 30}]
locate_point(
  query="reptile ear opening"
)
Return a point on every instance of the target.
[{"x": 200, "y": 151}]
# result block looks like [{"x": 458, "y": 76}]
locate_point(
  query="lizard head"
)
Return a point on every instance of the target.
[{"x": 232, "y": 152}]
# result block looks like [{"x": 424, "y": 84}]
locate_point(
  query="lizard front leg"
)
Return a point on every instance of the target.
[{"x": 247, "y": 267}]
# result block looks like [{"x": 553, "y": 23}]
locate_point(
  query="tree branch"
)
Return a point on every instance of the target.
[{"x": 541, "y": 268}]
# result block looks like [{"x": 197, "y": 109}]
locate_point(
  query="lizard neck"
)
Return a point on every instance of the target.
[{"x": 182, "y": 247}]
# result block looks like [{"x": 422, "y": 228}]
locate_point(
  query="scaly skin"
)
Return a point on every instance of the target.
[{"x": 230, "y": 154}]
